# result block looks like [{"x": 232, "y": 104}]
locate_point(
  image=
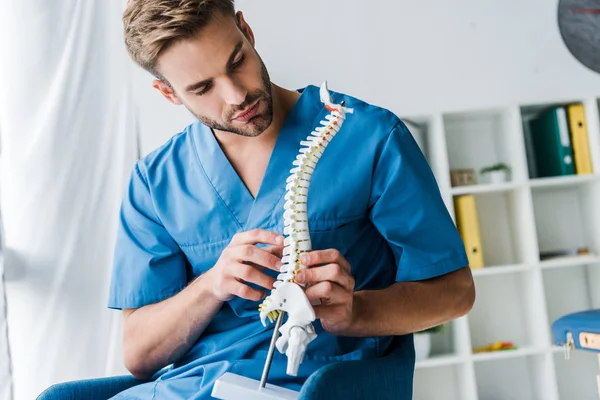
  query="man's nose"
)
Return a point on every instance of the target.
[{"x": 234, "y": 93}]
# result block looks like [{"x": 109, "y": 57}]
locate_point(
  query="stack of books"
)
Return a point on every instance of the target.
[{"x": 559, "y": 142}]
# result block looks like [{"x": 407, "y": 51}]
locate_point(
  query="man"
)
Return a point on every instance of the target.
[{"x": 201, "y": 223}]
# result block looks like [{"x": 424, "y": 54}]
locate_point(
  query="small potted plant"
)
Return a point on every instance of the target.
[
  {"x": 496, "y": 173},
  {"x": 422, "y": 341}
]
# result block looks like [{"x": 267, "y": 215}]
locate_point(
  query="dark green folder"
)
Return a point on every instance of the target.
[{"x": 551, "y": 142}]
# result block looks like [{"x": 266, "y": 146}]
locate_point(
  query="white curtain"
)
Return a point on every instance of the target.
[
  {"x": 68, "y": 144},
  {"x": 5, "y": 363}
]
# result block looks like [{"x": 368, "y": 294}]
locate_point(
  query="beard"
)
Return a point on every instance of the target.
[{"x": 259, "y": 123}]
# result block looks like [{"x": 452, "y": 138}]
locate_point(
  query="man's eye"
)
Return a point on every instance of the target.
[
  {"x": 238, "y": 63},
  {"x": 203, "y": 90}
]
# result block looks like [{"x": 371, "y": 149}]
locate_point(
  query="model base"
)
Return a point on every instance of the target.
[{"x": 234, "y": 387}]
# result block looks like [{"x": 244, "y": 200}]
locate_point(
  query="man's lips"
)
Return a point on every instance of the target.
[{"x": 248, "y": 113}]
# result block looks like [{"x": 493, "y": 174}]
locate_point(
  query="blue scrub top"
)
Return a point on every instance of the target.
[{"x": 372, "y": 196}]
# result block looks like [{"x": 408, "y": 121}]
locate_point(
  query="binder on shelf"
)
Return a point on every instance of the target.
[
  {"x": 579, "y": 138},
  {"x": 551, "y": 141},
  {"x": 467, "y": 223}
]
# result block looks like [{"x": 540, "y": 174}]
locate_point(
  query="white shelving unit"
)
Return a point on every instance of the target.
[{"x": 519, "y": 295}]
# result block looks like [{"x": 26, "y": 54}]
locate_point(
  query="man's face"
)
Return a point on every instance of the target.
[{"x": 220, "y": 78}]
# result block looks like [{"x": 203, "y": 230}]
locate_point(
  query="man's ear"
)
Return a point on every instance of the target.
[
  {"x": 166, "y": 90},
  {"x": 244, "y": 27}
]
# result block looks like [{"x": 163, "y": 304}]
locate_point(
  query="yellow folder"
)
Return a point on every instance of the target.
[
  {"x": 579, "y": 138},
  {"x": 467, "y": 223}
]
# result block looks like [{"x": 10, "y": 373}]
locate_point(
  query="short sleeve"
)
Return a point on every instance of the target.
[
  {"x": 148, "y": 264},
  {"x": 408, "y": 210}
]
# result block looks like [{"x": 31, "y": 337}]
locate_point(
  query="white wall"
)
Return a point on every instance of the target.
[{"x": 413, "y": 57}]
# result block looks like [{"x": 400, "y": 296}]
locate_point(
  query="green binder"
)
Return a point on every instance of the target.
[{"x": 551, "y": 143}]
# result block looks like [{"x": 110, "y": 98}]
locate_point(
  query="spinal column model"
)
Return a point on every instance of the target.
[{"x": 288, "y": 296}]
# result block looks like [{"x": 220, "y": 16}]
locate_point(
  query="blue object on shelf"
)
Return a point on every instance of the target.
[{"x": 579, "y": 330}]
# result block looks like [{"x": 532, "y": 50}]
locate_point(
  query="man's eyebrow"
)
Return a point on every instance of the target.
[{"x": 195, "y": 86}]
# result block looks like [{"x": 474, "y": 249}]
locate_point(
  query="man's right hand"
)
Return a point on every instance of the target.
[
  {"x": 242, "y": 262},
  {"x": 149, "y": 346}
]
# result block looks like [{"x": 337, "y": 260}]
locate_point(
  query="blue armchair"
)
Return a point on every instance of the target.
[{"x": 381, "y": 378}]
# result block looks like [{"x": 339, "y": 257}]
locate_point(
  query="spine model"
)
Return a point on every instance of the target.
[{"x": 288, "y": 296}]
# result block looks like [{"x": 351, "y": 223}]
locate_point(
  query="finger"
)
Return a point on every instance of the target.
[
  {"x": 246, "y": 292},
  {"x": 258, "y": 267},
  {"x": 248, "y": 253},
  {"x": 277, "y": 251},
  {"x": 250, "y": 274},
  {"x": 319, "y": 257},
  {"x": 328, "y": 292},
  {"x": 256, "y": 236},
  {"x": 330, "y": 272}
]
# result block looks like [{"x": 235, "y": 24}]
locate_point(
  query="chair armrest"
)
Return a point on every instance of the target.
[
  {"x": 93, "y": 389},
  {"x": 388, "y": 377}
]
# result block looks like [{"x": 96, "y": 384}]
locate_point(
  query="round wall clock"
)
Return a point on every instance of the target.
[{"x": 579, "y": 25}]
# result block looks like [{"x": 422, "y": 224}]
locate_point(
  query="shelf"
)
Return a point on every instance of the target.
[
  {"x": 502, "y": 231},
  {"x": 506, "y": 310},
  {"x": 561, "y": 181},
  {"x": 577, "y": 376},
  {"x": 531, "y": 112},
  {"x": 571, "y": 290},
  {"x": 439, "y": 361},
  {"x": 428, "y": 133},
  {"x": 502, "y": 355},
  {"x": 442, "y": 382},
  {"x": 485, "y": 188},
  {"x": 513, "y": 378},
  {"x": 569, "y": 261},
  {"x": 564, "y": 218},
  {"x": 420, "y": 128},
  {"x": 501, "y": 269},
  {"x": 443, "y": 343},
  {"x": 479, "y": 139},
  {"x": 518, "y": 295}
]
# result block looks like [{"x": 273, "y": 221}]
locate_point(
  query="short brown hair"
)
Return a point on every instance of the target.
[{"x": 153, "y": 25}]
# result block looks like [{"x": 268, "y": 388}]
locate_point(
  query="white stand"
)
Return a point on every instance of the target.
[{"x": 234, "y": 387}]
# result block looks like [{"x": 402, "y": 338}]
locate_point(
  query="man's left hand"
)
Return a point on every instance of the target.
[{"x": 328, "y": 279}]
